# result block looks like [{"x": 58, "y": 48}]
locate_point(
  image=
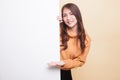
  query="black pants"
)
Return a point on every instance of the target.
[{"x": 66, "y": 75}]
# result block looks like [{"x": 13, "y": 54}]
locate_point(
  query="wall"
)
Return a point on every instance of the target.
[
  {"x": 102, "y": 22},
  {"x": 29, "y": 37}
]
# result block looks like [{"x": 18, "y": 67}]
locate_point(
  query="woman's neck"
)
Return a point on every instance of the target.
[{"x": 72, "y": 31}]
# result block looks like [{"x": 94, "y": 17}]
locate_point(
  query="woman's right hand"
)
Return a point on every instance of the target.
[
  {"x": 56, "y": 63},
  {"x": 59, "y": 18}
]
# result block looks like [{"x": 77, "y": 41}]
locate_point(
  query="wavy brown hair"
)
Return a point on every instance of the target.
[{"x": 80, "y": 29}]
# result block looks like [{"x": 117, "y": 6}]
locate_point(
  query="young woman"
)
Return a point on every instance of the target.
[{"x": 74, "y": 41}]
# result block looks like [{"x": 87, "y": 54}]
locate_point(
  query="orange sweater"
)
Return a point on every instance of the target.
[{"x": 73, "y": 56}]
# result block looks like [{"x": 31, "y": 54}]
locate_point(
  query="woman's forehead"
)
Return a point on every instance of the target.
[{"x": 66, "y": 10}]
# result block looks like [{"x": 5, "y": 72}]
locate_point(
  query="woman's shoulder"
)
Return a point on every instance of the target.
[
  {"x": 87, "y": 40},
  {"x": 88, "y": 37}
]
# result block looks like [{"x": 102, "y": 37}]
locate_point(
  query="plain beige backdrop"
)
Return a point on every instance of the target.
[{"x": 102, "y": 22}]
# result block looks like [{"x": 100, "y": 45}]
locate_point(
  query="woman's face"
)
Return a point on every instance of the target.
[{"x": 69, "y": 19}]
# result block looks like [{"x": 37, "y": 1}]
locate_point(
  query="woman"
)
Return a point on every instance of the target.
[{"x": 74, "y": 41}]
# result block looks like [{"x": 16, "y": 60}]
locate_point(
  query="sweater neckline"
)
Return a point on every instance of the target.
[{"x": 72, "y": 36}]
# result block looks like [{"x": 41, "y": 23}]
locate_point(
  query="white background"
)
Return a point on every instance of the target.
[{"x": 29, "y": 39}]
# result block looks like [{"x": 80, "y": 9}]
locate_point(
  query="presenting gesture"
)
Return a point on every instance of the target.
[{"x": 56, "y": 64}]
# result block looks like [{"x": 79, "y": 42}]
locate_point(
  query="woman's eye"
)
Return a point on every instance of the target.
[
  {"x": 71, "y": 13},
  {"x": 64, "y": 15}
]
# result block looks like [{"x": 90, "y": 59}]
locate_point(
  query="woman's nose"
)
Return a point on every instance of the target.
[{"x": 68, "y": 17}]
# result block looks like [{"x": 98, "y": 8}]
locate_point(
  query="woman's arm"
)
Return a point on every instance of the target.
[{"x": 80, "y": 60}]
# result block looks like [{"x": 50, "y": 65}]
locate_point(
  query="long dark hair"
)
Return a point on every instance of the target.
[{"x": 80, "y": 29}]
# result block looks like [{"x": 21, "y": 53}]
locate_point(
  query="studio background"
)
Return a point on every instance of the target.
[{"x": 102, "y": 22}]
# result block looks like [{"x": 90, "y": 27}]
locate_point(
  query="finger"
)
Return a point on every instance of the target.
[
  {"x": 61, "y": 63},
  {"x": 59, "y": 18},
  {"x": 51, "y": 64}
]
